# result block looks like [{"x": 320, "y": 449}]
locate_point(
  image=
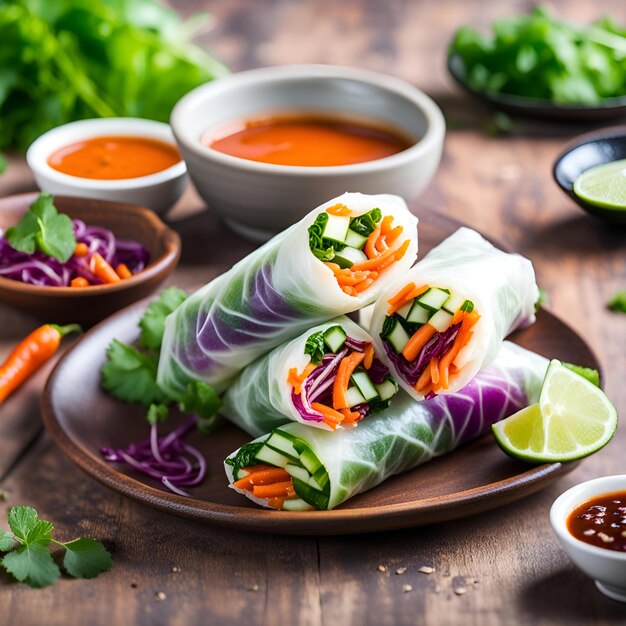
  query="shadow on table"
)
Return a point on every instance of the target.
[{"x": 563, "y": 596}]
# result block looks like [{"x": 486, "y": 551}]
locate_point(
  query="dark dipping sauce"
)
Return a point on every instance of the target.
[{"x": 601, "y": 521}]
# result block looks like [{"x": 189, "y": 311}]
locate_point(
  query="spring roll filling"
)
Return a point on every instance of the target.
[
  {"x": 343, "y": 381},
  {"x": 425, "y": 329},
  {"x": 356, "y": 249},
  {"x": 283, "y": 472}
]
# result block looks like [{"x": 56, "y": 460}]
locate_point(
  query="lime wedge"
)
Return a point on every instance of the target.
[
  {"x": 603, "y": 185},
  {"x": 573, "y": 419}
]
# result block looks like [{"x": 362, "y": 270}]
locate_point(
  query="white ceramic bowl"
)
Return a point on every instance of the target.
[
  {"x": 260, "y": 199},
  {"x": 606, "y": 567},
  {"x": 157, "y": 191}
]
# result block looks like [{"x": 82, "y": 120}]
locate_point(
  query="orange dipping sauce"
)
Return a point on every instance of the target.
[
  {"x": 307, "y": 141},
  {"x": 114, "y": 158}
]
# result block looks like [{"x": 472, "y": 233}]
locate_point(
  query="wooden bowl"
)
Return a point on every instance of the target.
[{"x": 91, "y": 304}]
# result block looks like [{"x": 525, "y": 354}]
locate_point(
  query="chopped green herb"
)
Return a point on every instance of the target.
[
  {"x": 366, "y": 224},
  {"x": 152, "y": 323},
  {"x": 28, "y": 557},
  {"x": 43, "y": 228},
  {"x": 593, "y": 376},
  {"x": 618, "y": 302},
  {"x": 467, "y": 306},
  {"x": 201, "y": 400},
  {"x": 245, "y": 457},
  {"x": 157, "y": 413},
  {"x": 315, "y": 346},
  {"x": 539, "y": 56},
  {"x": 542, "y": 300}
]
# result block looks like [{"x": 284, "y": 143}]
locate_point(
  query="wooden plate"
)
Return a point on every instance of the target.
[{"x": 477, "y": 477}]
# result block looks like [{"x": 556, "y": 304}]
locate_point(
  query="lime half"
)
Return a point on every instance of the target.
[
  {"x": 603, "y": 185},
  {"x": 573, "y": 419}
]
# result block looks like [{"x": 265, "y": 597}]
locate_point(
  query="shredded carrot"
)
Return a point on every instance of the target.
[
  {"x": 392, "y": 235},
  {"x": 426, "y": 390},
  {"x": 369, "y": 356},
  {"x": 101, "y": 268},
  {"x": 351, "y": 291},
  {"x": 415, "y": 293},
  {"x": 265, "y": 477},
  {"x": 378, "y": 262},
  {"x": 327, "y": 411},
  {"x": 370, "y": 244},
  {"x": 332, "y": 266},
  {"x": 461, "y": 340},
  {"x": 362, "y": 286},
  {"x": 434, "y": 371},
  {"x": 339, "y": 209},
  {"x": 342, "y": 380},
  {"x": 81, "y": 249},
  {"x": 261, "y": 467},
  {"x": 275, "y": 490},
  {"x": 296, "y": 380},
  {"x": 401, "y": 295},
  {"x": 276, "y": 503},
  {"x": 385, "y": 225},
  {"x": 349, "y": 417},
  {"x": 79, "y": 281},
  {"x": 423, "y": 380},
  {"x": 122, "y": 271},
  {"x": 418, "y": 340},
  {"x": 354, "y": 279}
]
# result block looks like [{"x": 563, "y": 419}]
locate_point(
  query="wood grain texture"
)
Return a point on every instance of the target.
[{"x": 502, "y": 186}]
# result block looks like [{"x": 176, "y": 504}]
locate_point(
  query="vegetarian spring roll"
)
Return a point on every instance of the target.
[
  {"x": 335, "y": 260},
  {"x": 296, "y": 467},
  {"x": 446, "y": 318},
  {"x": 327, "y": 377}
]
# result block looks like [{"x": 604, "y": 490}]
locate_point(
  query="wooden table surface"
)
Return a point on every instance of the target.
[{"x": 508, "y": 560}]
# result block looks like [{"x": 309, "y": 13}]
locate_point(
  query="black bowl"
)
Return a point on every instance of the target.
[
  {"x": 586, "y": 152},
  {"x": 611, "y": 108}
]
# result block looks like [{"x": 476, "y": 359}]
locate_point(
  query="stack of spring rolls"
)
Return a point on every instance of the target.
[{"x": 337, "y": 409}]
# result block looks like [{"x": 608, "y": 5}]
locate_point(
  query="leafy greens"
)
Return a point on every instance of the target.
[
  {"x": 73, "y": 59},
  {"x": 618, "y": 302},
  {"x": 539, "y": 56}
]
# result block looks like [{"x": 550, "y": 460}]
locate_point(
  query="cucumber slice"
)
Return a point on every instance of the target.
[
  {"x": 387, "y": 389},
  {"x": 398, "y": 337},
  {"x": 336, "y": 228},
  {"x": 349, "y": 257},
  {"x": 297, "y": 504},
  {"x": 453, "y": 303},
  {"x": 334, "y": 338},
  {"x": 314, "y": 484},
  {"x": 321, "y": 477},
  {"x": 364, "y": 385},
  {"x": 297, "y": 472},
  {"x": 440, "y": 320},
  {"x": 354, "y": 397},
  {"x": 418, "y": 314},
  {"x": 310, "y": 461},
  {"x": 313, "y": 496},
  {"x": 281, "y": 444},
  {"x": 434, "y": 298},
  {"x": 271, "y": 457},
  {"x": 404, "y": 311},
  {"x": 355, "y": 240}
]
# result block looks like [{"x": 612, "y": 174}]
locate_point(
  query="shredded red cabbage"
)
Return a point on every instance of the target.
[
  {"x": 168, "y": 459},
  {"x": 438, "y": 345},
  {"x": 42, "y": 270}
]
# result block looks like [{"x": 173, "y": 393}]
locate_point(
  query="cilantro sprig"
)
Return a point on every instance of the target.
[
  {"x": 130, "y": 373},
  {"x": 618, "y": 302},
  {"x": 28, "y": 557},
  {"x": 43, "y": 228}
]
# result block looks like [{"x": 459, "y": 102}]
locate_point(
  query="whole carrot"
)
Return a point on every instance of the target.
[{"x": 30, "y": 354}]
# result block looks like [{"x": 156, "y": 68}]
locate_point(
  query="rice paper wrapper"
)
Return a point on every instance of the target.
[
  {"x": 269, "y": 297},
  {"x": 501, "y": 285},
  {"x": 260, "y": 398},
  {"x": 410, "y": 433}
]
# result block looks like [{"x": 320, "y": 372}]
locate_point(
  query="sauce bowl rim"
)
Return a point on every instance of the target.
[
  {"x": 435, "y": 122},
  {"x": 41, "y": 149}
]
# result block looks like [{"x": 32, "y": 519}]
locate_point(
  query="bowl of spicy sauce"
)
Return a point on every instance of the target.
[
  {"x": 590, "y": 522},
  {"x": 120, "y": 159}
]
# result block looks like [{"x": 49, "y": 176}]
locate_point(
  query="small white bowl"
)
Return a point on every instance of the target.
[
  {"x": 158, "y": 191},
  {"x": 606, "y": 567}
]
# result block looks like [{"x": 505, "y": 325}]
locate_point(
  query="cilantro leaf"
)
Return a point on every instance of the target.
[
  {"x": 366, "y": 224},
  {"x": 32, "y": 564},
  {"x": 157, "y": 413},
  {"x": 152, "y": 323},
  {"x": 315, "y": 346},
  {"x": 245, "y": 457},
  {"x": 86, "y": 558},
  {"x": 130, "y": 375},
  {"x": 618, "y": 302},
  {"x": 6, "y": 540},
  {"x": 201, "y": 400},
  {"x": 27, "y": 527},
  {"x": 44, "y": 228}
]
